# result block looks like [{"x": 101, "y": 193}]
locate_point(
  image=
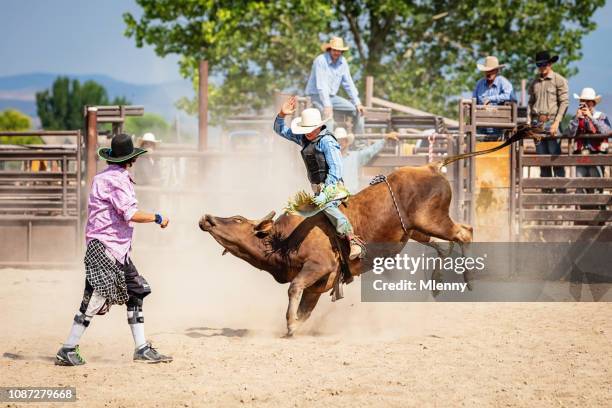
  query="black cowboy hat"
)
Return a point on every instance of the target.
[
  {"x": 543, "y": 57},
  {"x": 122, "y": 149}
]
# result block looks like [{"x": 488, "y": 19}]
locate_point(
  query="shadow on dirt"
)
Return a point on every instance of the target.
[{"x": 197, "y": 332}]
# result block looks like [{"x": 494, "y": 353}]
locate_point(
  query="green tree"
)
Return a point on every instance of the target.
[
  {"x": 149, "y": 122},
  {"x": 12, "y": 120},
  {"x": 421, "y": 53},
  {"x": 254, "y": 47},
  {"x": 61, "y": 107}
]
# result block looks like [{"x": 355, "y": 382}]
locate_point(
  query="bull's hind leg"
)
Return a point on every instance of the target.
[
  {"x": 467, "y": 274},
  {"x": 436, "y": 274},
  {"x": 444, "y": 228}
]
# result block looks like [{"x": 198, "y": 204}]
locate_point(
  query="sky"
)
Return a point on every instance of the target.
[
  {"x": 594, "y": 68},
  {"x": 86, "y": 37},
  {"x": 77, "y": 37}
]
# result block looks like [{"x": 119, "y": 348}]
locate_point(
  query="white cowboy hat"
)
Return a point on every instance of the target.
[
  {"x": 490, "y": 63},
  {"x": 336, "y": 43},
  {"x": 149, "y": 137},
  {"x": 309, "y": 120},
  {"x": 588, "y": 94},
  {"x": 341, "y": 133}
]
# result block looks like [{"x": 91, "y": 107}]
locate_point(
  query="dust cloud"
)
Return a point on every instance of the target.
[{"x": 194, "y": 286}]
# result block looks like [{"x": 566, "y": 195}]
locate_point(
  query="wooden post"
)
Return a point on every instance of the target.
[
  {"x": 92, "y": 143},
  {"x": 369, "y": 90},
  {"x": 122, "y": 115},
  {"x": 203, "y": 106},
  {"x": 523, "y": 92}
]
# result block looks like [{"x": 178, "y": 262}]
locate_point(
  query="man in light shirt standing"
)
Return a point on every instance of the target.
[{"x": 329, "y": 71}]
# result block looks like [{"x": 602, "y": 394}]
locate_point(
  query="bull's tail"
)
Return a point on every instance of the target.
[{"x": 521, "y": 133}]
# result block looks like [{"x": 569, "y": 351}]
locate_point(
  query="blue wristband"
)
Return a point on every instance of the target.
[{"x": 158, "y": 219}]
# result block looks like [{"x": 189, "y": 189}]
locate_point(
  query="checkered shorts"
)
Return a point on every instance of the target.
[{"x": 103, "y": 274}]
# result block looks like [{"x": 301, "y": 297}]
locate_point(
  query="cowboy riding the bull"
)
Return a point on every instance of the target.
[{"x": 323, "y": 160}]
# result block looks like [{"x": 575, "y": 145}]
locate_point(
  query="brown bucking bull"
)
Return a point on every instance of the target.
[{"x": 303, "y": 251}]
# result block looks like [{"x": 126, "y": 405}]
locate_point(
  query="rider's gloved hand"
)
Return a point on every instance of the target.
[{"x": 320, "y": 199}]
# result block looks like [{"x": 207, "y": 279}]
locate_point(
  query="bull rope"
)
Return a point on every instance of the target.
[
  {"x": 520, "y": 134},
  {"x": 379, "y": 179},
  {"x": 431, "y": 139}
]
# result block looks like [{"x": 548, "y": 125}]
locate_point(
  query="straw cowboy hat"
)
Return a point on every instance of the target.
[
  {"x": 341, "y": 133},
  {"x": 336, "y": 43},
  {"x": 490, "y": 63},
  {"x": 122, "y": 149},
  {"x": 148, "y": 138},
  {"x": 588, "y": 94},
  {"x": 309, "y": 120}
]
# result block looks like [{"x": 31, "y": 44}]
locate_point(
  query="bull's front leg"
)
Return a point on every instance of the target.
[
  {"x": 311, "y": 272},
  {"x": 296, "y": 289}
]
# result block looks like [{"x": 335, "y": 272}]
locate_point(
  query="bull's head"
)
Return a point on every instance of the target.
[{"x": 238, "y": 235}]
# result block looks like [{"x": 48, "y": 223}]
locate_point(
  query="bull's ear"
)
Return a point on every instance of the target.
[
  {"x": 270, "y": 216},
  {"x": 263, "y": 228}
]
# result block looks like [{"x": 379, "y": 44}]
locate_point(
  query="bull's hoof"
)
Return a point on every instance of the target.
[{"x": 467, "y": 278}]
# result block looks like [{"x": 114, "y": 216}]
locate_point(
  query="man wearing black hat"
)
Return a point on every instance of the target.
[
  {"x": 548, "y": 102},
  {"x": 110, "y": 276}
]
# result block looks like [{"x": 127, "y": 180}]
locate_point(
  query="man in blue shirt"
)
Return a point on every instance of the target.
[
  {"x": 354, "y": 160},
  {"x": 329, "y": 71},
  {"x": 321, "y": 155},
  {"x": 493, "y": 89}
]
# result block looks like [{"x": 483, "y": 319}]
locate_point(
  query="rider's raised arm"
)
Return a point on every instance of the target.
[
  {"x": 349, "y": 85},
  {"x": 283, "y": 130},
  {"x": 331, "y": 149}
]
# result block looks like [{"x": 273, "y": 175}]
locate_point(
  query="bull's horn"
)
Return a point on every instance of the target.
[{"x": 270, "y": 215}]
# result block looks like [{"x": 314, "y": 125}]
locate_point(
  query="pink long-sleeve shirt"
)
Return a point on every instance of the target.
[{"x": 112, "y": 204}]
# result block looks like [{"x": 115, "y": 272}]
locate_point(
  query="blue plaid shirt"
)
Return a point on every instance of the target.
[
  {"x": 499, "y": 92},
  {"x": 326, "y": 77}
]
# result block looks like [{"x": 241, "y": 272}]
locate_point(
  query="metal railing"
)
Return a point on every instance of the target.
[
  {"x": 40, "y": 200},
  {"x": 560, "y": 209}
]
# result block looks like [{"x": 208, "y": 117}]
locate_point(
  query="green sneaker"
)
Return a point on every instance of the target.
[
  {"x": 147, "y": 354},
  {"x": 69, "y": 356}
]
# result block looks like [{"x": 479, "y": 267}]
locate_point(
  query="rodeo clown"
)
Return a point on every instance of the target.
[
  {"x": 111, "y": 277},
  {"x": 321, "y": 155}
]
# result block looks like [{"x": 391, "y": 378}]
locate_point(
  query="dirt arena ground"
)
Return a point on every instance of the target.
[{"x": 222, "y": 321}]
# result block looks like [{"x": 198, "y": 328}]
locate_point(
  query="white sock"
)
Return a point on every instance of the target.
[
  {"x": 76, "y": 332},
  {"x": 137, "y": 328},
  {"x": 139, "y": 335},
  {"x": 96, "y": 302}
]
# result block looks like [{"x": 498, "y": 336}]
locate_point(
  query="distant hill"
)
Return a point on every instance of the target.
[{"x": 18, "y": 91}]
